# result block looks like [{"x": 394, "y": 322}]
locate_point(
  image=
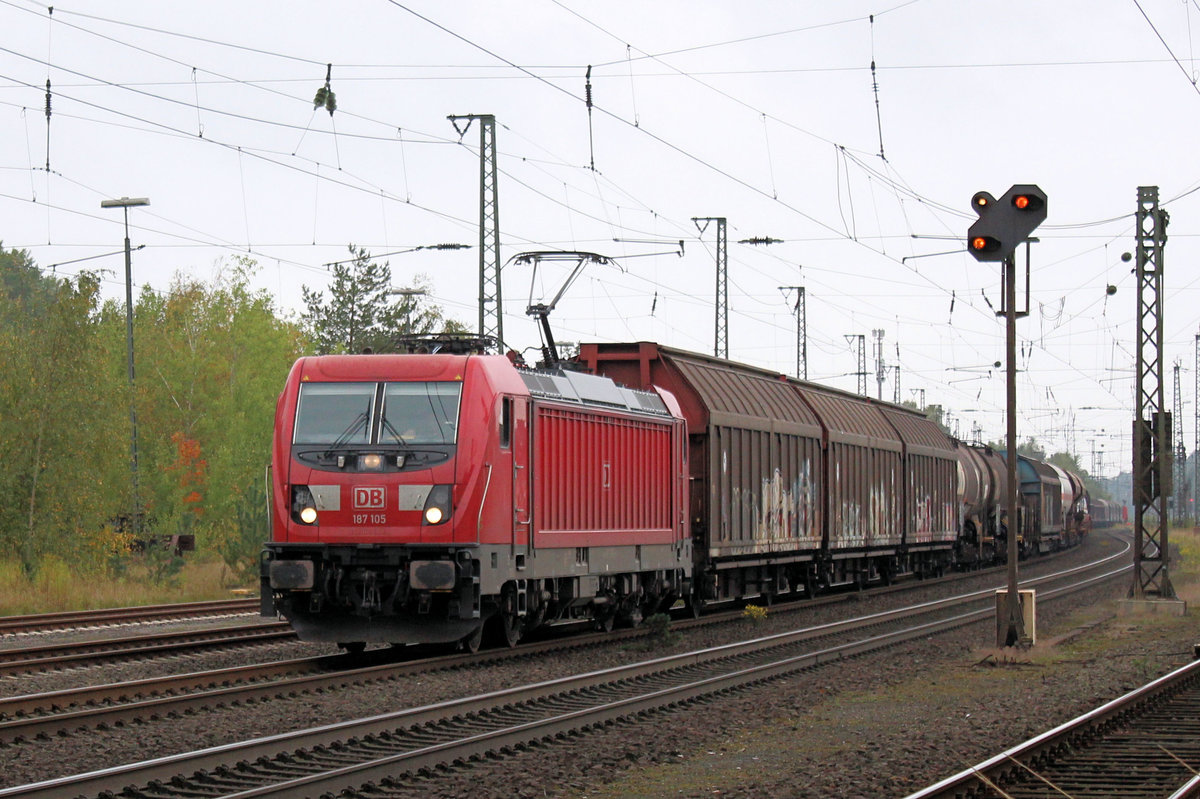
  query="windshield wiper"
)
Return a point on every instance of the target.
[
  {"x": 387, "y": 425},
  {"x": 350, "y": 430}
]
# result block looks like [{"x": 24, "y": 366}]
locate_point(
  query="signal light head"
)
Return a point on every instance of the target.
[
  {"x": 984, "y": 244},
  {"x": 1028, "y": 203},
  {"x": 982, "y": 202}
]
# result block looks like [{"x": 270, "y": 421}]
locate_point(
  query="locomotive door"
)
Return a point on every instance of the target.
[{"x": 522, "y": 503}]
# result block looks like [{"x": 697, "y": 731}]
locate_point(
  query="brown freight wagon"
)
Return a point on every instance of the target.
[{"x": 795, "y": 486}]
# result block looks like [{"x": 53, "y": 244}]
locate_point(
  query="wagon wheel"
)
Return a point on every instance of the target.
[
  {"x": 353, "y": 647},
  {"x": 472, "y": 641},
  {"x": 605, "y": 621}
]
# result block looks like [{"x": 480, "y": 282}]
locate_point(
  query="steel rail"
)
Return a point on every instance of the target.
[
  {"x": 53, "y": 656},
  {"x": 1191, "y": 789},
  {"x": 1079, "y": 733},
  {"x": 41, "y": 622},
  {"x": 377, "y": 732}
]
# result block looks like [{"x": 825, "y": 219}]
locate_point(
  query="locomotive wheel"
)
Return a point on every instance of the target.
[
  {"x": 505, "y": 623},
  {"x": 353, "y": 647},
  {"x": 471, "y": 642}
]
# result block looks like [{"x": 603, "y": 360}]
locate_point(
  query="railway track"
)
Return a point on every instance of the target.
[
  {"x": 62, "y": 711},
  {"x": 373, "y": 751},
  {"x": 87, "y": 653},
  {"x": 1144, "y": 745},
  {"x": 46, "y": 657},
  {"x": 46, "y": 622}
]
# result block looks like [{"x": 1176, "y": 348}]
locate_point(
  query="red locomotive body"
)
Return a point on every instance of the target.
[{"x": 416, "y": 496}]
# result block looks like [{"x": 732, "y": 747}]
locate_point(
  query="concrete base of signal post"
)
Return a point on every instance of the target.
[{"x": 1149, "y": 607}]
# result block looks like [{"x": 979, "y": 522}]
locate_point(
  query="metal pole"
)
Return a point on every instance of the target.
[
  {"x": 1014, "y": 628},
  {"x": 125, "y": 203},
  {"x": 879, "y": 365},
  {"x": 801, "y": 333},
  {"x": 133, "y": 433}
]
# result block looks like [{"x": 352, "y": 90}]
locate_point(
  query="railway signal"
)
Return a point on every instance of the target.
[{"x": 1004, "y": 223}]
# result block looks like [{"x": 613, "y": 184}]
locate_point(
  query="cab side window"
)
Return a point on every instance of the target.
[{"x": 506, "y": 406}]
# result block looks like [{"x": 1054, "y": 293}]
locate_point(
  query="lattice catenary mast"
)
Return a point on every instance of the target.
[
  {"x": 491, "y": 311},
  {"x": 1151, "y": 426},
  {"x": 721, "y": 338}
]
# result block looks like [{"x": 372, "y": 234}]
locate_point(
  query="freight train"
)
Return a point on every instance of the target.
[{"x": 433, "y": 497}]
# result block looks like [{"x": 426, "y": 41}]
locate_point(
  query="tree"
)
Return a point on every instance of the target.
[
  {"x": 207, "y": 391},
  {"x": 935, "y": 414},
  {"x": 1030, "y": 448},
  {"x": 63, "y": 418},
  {"x": 351, "y": 317},
  {"x": 362, "y": 313},
  {"x": 1068, "y": 462}
]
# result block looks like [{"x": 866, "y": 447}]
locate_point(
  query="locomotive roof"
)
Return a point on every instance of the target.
[{"x": 585, "y": 389}]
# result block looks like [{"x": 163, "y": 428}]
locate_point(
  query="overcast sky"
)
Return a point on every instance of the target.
[{"x": 766, "y": 113}]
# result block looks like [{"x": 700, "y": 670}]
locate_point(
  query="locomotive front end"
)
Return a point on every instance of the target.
[{"x": 365, "y": 543}]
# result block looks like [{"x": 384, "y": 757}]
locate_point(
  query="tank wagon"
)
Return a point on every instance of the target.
[
  {"x": 415, "y": 497},
  {"x": 795, "y": 486},
  {"x": 983, "y": 485},
  {"x": 1052, "y": 505}
]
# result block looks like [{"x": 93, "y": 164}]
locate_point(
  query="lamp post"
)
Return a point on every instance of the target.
[
  {"x": 410, "y": 293},
  {"x": 125, "y": 203}
]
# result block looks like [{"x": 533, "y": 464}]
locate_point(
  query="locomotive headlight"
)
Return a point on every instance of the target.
[
  {"x": 437, "y": 505},
  {"x": 304, "y": 507},
  {"x": 372, "y": 462}
]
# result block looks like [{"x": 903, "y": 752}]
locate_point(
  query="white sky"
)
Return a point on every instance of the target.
[{"x": 762, "y": 112}]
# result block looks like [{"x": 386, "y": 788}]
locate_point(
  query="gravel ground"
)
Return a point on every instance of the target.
[{"x": 881, "y": 725}]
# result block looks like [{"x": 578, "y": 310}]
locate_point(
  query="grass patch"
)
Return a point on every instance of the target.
[{"x": 55, "y": 586}]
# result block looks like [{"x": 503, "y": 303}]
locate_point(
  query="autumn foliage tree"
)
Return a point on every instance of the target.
[
  {"x": 207, "y": 404},
  {"x": 210, "y": 359}
]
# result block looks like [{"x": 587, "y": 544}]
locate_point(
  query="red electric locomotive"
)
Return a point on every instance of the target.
[{"x": 416, "y": 497}]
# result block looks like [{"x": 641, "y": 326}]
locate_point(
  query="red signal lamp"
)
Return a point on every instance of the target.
[
  {"x": 984, "y": 244},
  {"x": 1028, "y": 202}
]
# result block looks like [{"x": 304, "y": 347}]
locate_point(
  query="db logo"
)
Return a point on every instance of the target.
[{"x": 368, "y": 498}]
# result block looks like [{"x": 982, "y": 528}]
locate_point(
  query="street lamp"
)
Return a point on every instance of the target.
[
  {"x": 126, "y": 203},
  {"x": 410, "y": 293}
]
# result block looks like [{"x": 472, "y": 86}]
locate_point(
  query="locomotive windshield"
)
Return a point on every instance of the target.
[
  {"x": 420, "y": 413},
  {"x": 335, "y": 413},
  {"x": 344, "y": 414}
]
